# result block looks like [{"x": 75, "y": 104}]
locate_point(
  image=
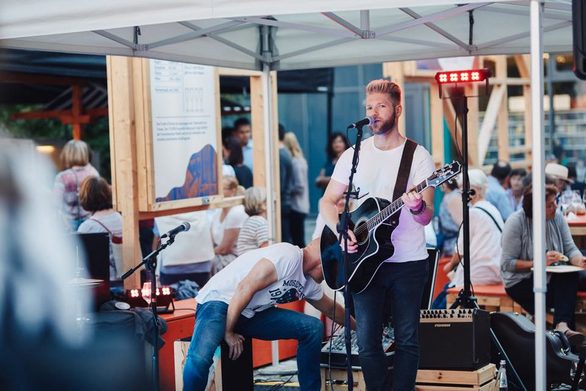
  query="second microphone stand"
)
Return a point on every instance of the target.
[{"x": 150, "y": 263}]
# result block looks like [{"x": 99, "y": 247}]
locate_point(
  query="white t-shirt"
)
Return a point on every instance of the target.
[
  {"x": 291, "y": 284},
  {"x": 376, "y": 176},
  {"x": 234, "y": 219},
  {"x": 193, "y": 246},
  {"x": 485, "y": 246}
]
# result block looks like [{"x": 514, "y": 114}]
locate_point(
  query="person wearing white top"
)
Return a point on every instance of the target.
[
  {"x": 400, "y": 280},
  {"x": 239, "y": 302},
  {"x": 95, "y": 196},
  {"x": 225, "y": 228},
  {"x": 486, "y": 225}
]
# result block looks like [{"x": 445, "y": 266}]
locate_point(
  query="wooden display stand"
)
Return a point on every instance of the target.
[{"x": 483, "y": 379}]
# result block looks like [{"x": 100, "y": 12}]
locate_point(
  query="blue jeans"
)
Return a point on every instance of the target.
[
  {"x": 271, "y": 324},
  {"x": 400, "y": 285}
]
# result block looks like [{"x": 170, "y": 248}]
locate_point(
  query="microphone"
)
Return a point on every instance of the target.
[
  {"x": 361, "y": 123},
  {"x": 183, "y": 227}
]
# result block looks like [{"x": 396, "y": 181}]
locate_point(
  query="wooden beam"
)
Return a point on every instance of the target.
[
  {"x": 489, "y": 122},
  {"x": 76, "y": 111},
  {"x": 503, "y": 113},
  {"x": 121, "y": 101},
  {"x": 522, "y": 62},
  {"x": 471, "y": 90},
  {"x": 437, "y": 125},
  {"x": 450, "y": 114},
  {"x": 28, "y": 78},
  {"x": 218, "y": 203}
]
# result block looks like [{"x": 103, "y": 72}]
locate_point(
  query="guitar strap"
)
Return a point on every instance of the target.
[{"x": 404, "y": 171}]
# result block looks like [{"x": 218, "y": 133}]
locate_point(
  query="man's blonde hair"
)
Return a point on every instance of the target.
[{"x": 388, "y": 87}]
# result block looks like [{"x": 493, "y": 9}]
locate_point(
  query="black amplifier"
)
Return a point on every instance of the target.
[{"x": 454, "y": 339}]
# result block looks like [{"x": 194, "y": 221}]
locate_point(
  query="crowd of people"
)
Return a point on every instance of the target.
[
  {"x": 241, "y": 273},
  {"x": 501, "y": 245}
]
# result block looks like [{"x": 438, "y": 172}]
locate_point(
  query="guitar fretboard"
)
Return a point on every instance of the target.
[{"x": 394, "y": 206}]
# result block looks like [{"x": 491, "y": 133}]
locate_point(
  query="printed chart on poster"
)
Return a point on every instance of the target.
[{"x": 183, "y": 106}]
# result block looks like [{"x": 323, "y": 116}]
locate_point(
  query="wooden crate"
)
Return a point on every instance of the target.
[
  {"x": 339, "y": 377},
  {"x": 482, "y": 379}
]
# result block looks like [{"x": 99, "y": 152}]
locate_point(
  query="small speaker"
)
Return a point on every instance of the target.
[
  {"x": 579, "y": 28},
  {"x": 456, "y": 339}
]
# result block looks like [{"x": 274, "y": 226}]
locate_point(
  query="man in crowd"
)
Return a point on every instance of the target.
[
  {"x": 497, "y": 194},
  {"x": 243, "y": 131}
]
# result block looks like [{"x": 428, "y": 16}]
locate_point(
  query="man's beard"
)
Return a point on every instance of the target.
[{"x": 384, "y": 129}]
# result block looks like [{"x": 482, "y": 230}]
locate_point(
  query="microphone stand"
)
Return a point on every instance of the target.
[
  {"x": 465, "y": 297},
  {"x": 342, "y": 228},
  {"x": 150, "y": 263}
]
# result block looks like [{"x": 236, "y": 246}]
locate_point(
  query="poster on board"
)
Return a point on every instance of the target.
[{"x": 183, "y": 107}]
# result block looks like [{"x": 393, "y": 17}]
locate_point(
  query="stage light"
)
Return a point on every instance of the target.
[
  {"x": 141, "y": 298},
  {"x": 470, "y": 76}
]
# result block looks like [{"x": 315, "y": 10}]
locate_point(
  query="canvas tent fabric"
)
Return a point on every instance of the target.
[{"x": 286, "y": 35}]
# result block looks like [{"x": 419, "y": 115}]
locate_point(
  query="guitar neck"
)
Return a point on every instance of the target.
[{"x": 393, "y": 207}]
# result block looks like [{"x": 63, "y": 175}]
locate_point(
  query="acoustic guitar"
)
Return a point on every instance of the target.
[{"x": 373, "y": 222}]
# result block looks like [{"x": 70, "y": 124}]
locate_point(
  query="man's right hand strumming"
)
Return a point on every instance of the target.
[{"x": 352, "y": 243}]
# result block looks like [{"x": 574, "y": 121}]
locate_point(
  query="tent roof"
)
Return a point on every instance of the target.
[{"x": 303, "y": 33}]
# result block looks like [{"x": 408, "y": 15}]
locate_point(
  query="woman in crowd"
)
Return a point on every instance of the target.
[
  {"x": 515, "y": 192},
  {"x": 517, "y": 262},
  {"x": 299, "y": 190},
  {"x": 226, "y": 225},
  {"x": 255, "y": 231},
  {"x": 95, "y": 196},
  {"x": 337, "y": 144},
  {"x": 75, "y": 159},
  {"x": 486, "y": 225},
  {"x": 233, "y": 156}
]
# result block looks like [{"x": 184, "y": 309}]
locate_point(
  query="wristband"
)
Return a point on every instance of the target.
[{"x": 420, "y": 210}]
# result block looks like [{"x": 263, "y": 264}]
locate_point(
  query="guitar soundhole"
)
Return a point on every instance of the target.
[{"x": 361, "y": 232}]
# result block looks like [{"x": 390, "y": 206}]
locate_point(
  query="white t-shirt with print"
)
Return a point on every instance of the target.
[
  {"x": 376, "y": 176},
  {"x": 291, "y": 284}
]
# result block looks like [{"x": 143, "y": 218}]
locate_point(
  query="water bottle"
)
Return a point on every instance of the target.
[{"x": 502, "y": 376}]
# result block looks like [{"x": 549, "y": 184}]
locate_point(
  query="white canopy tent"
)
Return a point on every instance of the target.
[
  {"x": 277, "y": 35},
  {"x": 304, "y": 34}
]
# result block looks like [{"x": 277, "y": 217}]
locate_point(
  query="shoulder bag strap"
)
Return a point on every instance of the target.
[{"x": 491, "y": 217}]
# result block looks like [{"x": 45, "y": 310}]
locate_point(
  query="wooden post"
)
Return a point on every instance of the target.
[
  {"x": 522, "y": 62},
  {"x": 503, "y": 116},
  {"x": 437, "y": 125},
  {"x": 76, "y": 111},
  {"x": 122, "y": 72}
]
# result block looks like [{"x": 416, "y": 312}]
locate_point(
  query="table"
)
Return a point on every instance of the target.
[{"x": 180, "y": 325}]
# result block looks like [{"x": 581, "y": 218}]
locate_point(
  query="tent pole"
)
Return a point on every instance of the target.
[
  {"x": 269, "y": 169},
  {"x": 539, "y": 283}
]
